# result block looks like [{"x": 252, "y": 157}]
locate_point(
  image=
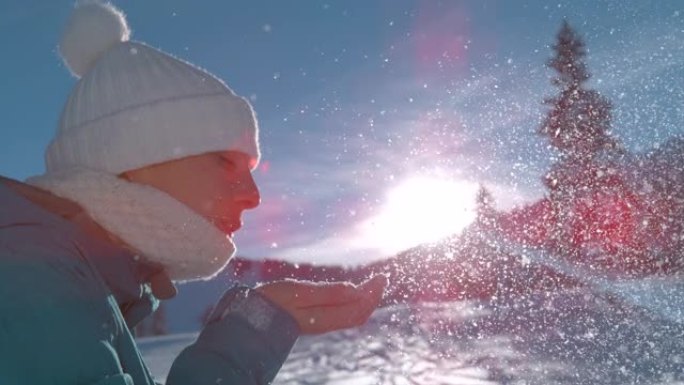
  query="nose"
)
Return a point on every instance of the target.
[{"x": 248, "y": 196}]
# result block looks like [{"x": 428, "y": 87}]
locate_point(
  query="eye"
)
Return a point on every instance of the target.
[{"x": 227, "y": 163}]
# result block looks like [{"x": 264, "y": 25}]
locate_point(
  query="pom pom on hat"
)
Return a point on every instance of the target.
[
  {"x": 135, "y": 105},
  {"x": 92, "y": 29}
]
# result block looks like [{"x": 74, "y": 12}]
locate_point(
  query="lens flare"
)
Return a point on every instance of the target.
[{"x": 421, "y": 209}]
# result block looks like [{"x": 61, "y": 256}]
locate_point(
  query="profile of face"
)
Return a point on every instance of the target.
[{"x": 217, "y": 185}]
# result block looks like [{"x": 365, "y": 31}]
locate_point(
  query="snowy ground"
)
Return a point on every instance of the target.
[{"x": 572, "y": 337}]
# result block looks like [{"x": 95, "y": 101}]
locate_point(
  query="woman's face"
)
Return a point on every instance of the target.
[{"x": 217, "y": 185}]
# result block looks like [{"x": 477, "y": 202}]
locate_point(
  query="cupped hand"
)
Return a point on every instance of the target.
[{"x": 324, "y": 307}]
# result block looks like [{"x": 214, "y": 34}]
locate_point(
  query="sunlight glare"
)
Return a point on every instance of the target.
[{"x": 422, "y": 209}]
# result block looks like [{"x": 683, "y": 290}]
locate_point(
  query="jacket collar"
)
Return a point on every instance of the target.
[{"x": 126, "y": 275}]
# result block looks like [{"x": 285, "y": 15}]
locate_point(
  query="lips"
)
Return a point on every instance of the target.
[{"x": 228, "y": 227}]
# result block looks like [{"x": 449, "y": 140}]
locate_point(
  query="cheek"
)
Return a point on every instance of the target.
[
  {"x": 207, "y": 206},
  {"x": 214, "y": 200},
  {"x": 214, "y": 193},
  {"x": 217, "y": 200},
  {"x": 205, "y": 198}
]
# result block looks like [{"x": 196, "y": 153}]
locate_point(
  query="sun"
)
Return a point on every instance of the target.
[{"x": 421, "y": 209}]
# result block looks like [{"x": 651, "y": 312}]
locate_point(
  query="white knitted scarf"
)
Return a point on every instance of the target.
[{"x": 157, "y": 226}]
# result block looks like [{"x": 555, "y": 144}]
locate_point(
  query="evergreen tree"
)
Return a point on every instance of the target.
[
  {"x": 579, "y": 119},
  {"x": 577, "y": 125},
  {"x": 484, "y": 204}
]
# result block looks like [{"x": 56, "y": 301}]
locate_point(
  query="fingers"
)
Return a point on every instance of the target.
[
  {"x": 328, "y": 294},
  {"x": 318, "y": 320},
  {"x": 323, "y": 320},
  {"x": 376, "y": 285},
  {"x": 304, "y": 293},
  {"x": 340, "y": 293},
  {"x": 324, "y": 307}
]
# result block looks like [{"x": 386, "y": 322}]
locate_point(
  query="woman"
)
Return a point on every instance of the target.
[{"x": 145, "y": 183}]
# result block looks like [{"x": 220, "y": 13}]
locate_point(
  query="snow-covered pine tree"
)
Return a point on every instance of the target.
[
  {"x": 579, "y": 120},
  {"x": 585, "y": 176},
  {"x": 484, "y": 205}
]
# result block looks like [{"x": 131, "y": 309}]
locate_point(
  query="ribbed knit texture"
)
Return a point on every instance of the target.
[
  {"x": 138, "y": 106},
  {"x": 160, "y": 228}
]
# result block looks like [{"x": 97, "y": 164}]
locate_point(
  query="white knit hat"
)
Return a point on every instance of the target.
[{"x": 135, "y": 105}]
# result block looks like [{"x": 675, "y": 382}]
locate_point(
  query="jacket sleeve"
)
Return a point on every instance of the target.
[{"x": 245, "y": 342}]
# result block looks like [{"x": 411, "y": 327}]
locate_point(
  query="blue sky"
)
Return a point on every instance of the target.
[{"x": 357, "y": 98}]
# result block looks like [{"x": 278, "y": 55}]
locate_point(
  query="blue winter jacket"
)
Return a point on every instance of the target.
[{"x": 69, "y": 298}]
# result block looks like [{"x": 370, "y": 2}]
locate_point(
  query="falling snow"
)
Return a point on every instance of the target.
[{"x": 522, "y": 185}]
